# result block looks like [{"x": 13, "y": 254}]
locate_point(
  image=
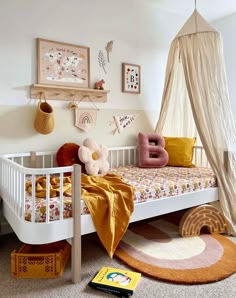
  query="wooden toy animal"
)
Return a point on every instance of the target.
[{"x": 99, "y": 85}]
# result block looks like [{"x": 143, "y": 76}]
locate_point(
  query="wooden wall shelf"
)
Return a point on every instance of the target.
[{"x": 68, "y": 93}]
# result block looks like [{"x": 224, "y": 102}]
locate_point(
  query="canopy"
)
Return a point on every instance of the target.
[{"x": 196, "y": 101}]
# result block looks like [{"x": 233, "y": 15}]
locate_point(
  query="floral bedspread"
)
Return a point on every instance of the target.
[
  {"x": 155, "y": 183},
  {"x": 149, "y": 184}
]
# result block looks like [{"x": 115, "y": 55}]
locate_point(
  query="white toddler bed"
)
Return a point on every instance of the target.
[{"x": 16, "y": 168}]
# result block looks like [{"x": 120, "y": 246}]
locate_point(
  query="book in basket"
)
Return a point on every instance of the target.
[{"x": 119, "y": 282}]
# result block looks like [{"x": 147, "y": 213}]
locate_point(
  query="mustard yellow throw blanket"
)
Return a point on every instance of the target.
[
  {"x": 110, "y": 203},
  {"x": 108, "y": 198}
]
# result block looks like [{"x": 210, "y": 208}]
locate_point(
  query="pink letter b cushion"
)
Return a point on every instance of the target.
[{"x": 151, "y": 150}]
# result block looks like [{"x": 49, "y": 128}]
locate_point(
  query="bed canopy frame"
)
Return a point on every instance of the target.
[{"x": 196, "y": 100}]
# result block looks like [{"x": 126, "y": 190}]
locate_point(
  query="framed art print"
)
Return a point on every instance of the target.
[
  {"x": 131, "y": 78},
  {"x": 63, "y": 64}
]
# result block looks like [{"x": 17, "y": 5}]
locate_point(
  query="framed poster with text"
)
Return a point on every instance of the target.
[{"x": 63, "y": 64}]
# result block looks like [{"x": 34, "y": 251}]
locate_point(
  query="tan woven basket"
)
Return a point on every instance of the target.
[{"x": 44, "y": 118}]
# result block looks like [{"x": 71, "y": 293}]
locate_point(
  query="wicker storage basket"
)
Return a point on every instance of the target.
[
  {"x": 40, "y": 261},
  {"x": 44, "y": 118}
]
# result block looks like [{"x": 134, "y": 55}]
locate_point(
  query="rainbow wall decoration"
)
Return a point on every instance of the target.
[{"x": 85, "y": 119}]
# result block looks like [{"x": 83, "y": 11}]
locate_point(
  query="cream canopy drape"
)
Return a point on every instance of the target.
[{"x": 195, "y": 100}]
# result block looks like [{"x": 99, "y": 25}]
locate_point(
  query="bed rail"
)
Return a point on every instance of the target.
[
  {"x": 120, "y": 156},
  {"x": 128, "y": 155},
  {"x": 13, "y": 180},
  {"x": 17, "y": 168},
  {"x": 34, "y": 159}
]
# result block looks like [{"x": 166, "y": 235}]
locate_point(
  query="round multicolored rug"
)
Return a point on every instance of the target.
[{"x": 157, "y": 250}]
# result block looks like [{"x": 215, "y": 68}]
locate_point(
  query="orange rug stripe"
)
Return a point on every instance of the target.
[{"x": 223, "y": 268}]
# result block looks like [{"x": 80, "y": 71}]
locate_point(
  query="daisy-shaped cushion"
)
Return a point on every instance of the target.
[{"x": 94, "y": 156}]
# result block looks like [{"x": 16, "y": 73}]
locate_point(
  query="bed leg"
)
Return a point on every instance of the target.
[
  {"x": 202, "y": 216},
  {"x": 76, "y": 213},
  {"x": 76, "y": 260}
]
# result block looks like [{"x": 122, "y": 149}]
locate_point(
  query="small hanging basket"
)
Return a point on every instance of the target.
[{"x": 44, "y": 117}]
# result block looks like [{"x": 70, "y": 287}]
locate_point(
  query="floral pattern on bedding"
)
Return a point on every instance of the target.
[
  {"x": 149, "y": 184},
  {"x": 154, "y": 183},
  {"x": 54, "y": 207}
]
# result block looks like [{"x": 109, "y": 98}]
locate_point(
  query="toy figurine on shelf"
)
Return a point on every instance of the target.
[{"x": 99, "y": 85}]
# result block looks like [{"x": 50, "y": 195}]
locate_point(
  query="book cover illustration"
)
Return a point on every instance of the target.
[{"x": 116, "y": 281}]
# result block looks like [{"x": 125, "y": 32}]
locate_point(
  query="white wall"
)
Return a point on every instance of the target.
[
  {"x": 141, "y": 35},
  {"x": 18, "y": 135},
  {"x": 227, "y": 27}
]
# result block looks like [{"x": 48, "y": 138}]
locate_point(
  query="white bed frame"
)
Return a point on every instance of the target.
[{"x": 15, "y": 167}]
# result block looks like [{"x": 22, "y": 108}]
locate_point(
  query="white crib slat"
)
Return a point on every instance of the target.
[
  {"x": 195, "y": 157},
  {"x": 33, "y": 198},
  {"x": 6, "y": 180},
  {"x": 22, "y": 195},
  {"x": 14, "y": 194},
  {"x": 117, "y": 158},
  {"x": 47, "y": 197},
  {"x": 43, "y": 162},
  {"x": 201, "y": 158},
  {"x": 17, "y": 192},
  {"x": 51, "y": 160},
  {"x": 1, "y": 178},
  {"x": 13, "y": 187},
  {"x": 111, "y": 160},
  {"x": 4, "y": 176},
  {"x": 61, "y": 196},
  {"x": 9, "y": 186}
]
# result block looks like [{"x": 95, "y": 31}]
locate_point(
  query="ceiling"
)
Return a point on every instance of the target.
[{"x": 211, "y": 10}]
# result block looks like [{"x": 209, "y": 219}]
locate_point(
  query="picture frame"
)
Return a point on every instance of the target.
[
  {"x": 131, "y": 78},
  {"x": 63, "y": 64}
]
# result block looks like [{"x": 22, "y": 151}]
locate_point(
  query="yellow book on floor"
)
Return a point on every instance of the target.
[{"x": 120, "y": 282}]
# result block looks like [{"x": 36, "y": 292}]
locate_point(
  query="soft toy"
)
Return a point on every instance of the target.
[
  {"x": 94, "y": 157},
  {"x": 67, "y": 155},
  {"x": 151, "y": 150}
]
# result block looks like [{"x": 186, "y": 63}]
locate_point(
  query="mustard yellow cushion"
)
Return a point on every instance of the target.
[{"x": 180, "y": 151}]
